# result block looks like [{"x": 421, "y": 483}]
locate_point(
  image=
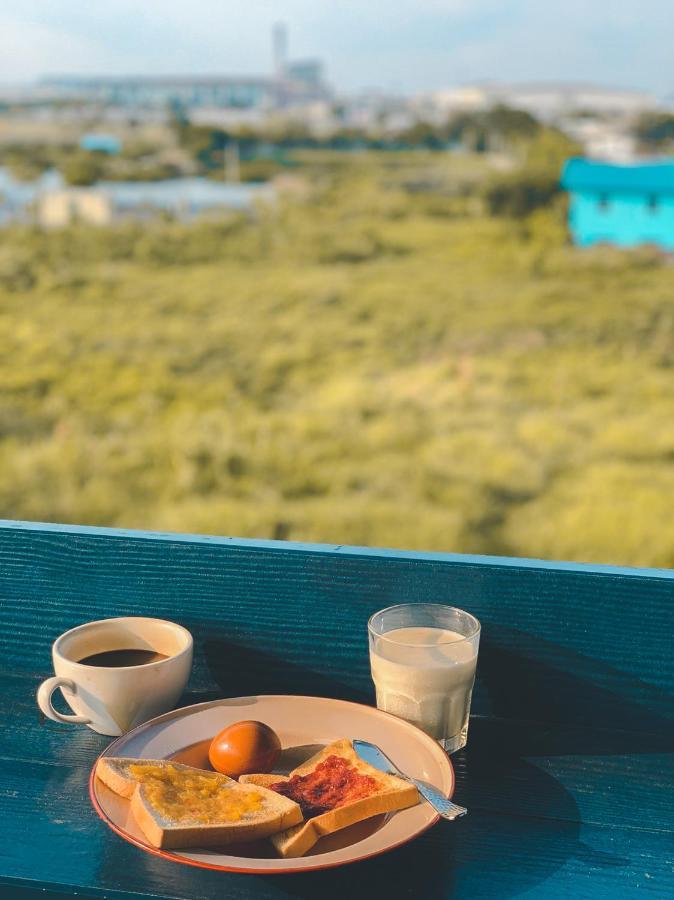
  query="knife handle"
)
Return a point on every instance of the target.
[{"x": 440, "y": 804}]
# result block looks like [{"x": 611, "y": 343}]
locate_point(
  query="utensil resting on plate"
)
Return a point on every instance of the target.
[{"x": 375, "y": 757}]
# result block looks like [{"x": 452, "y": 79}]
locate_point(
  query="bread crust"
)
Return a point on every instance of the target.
[
  {"x": 167, "y": 836},
  {"x": 113, "y": 772},
  {"x": 218, "y": 835}
]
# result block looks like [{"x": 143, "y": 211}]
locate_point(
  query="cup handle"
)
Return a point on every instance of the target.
[{"x": 44, "y": 693}]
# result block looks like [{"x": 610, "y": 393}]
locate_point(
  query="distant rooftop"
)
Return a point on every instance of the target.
[
  {"x": 651, "y": 177},
  {"x": 97, "y": 81},
  {"x": 193, "y": 192},
  {"x": 104, "y": 143},
  {"x": 561, "y": 86}
]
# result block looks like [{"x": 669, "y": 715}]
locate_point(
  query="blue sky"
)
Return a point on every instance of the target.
[{"x": 405, "y": 45}]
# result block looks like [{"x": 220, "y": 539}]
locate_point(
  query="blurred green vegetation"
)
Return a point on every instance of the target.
[
  {"x": 655, "y": 132},
  {"x": 377, "y": 361},
  {"x": 136, "y": 162}
]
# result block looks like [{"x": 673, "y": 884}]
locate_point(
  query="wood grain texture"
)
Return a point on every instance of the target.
[
  {"x": 574, "y": 644},
  {"x": 547, "y": 772},
  {"x": 490, "y": 855},
  {"x": 568, "y": 774}
]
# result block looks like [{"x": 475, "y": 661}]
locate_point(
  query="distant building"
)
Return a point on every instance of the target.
[
  {"x": 437, "y": 106},
  {"x": 58, "y": 208},
  {"x": 375, "y": 111},
  {"x": 227, "y": 117},
  {"x": 546, "y": 101},
  {"x": 623, "y": 205},
  {"x": 101, "y": 143},
  {"x": 185, "y": 91},
  {"x": 608, "y": 141},
  {"x": 183, "y": 198},
  {"x": 290, "y": 82},
  {"x": 19, "y": 199}
]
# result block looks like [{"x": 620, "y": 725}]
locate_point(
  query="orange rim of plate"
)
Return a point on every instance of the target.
[{"x": 185, "y": 861}]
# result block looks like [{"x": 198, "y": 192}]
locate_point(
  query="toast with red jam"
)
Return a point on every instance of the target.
[{"x": 334, "y": 789}]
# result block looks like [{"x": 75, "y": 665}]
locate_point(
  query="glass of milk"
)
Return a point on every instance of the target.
[{"x": 423, "y": 658}]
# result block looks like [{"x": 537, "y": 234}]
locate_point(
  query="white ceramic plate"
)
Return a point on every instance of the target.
[{"x": 304, "y": 724}]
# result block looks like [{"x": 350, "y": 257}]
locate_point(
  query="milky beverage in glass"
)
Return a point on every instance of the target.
[{"x": 423, "y": 659}]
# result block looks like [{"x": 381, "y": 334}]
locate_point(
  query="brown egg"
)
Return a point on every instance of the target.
[{"x": 244, "y": 747}]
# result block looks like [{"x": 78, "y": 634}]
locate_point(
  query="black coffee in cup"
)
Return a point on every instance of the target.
[{"x": 117, "y": 659}]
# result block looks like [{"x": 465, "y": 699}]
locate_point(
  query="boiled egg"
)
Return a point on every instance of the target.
[{"x": 243, "y": 748}]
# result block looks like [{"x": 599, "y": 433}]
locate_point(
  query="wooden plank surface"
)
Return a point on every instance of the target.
[
  {"x": 548, "y": 772},
  {"x": 575, "y": 645},
  {"x": 569, "y": 770},
  {"x": 486, "y": 855}
]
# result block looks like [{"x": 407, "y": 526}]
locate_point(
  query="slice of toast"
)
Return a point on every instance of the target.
[
  {"x": 179, "y": 806},
  {"x": 382, "y": 793},
  {"x": 114, "y": 772}
]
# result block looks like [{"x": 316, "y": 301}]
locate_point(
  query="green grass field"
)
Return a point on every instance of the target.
[{"x": 371, "y": 364}]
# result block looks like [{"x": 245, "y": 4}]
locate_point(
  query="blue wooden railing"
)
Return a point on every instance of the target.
[{"x": 568, "y": 770}]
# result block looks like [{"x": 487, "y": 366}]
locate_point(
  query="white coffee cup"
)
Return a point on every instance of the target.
[{"x": 112, "y": 700}]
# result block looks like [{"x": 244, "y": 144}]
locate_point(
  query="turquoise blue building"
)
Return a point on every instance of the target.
[
  {"x": 101, "y": 143},
  {"x": 623, "y": 205}
]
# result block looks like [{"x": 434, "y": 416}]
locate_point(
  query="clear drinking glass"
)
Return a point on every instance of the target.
[{"x": 423, "y": 658}]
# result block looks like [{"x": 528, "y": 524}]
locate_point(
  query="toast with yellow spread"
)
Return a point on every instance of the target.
[
  {"x": 179, "y": 806},
  {"x": 334, "y": 789}
]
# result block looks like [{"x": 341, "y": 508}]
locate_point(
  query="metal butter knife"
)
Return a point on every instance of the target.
[{"x": 377, "y": 758}]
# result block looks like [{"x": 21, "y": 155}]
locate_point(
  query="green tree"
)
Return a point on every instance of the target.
[
  {"x": 82, "y": 168},
  {"x": 520, "y": 193},
  {"x": 548, "y": 151},
  {"x": 510, "y": 123},
  {"x": 655, "y": 131},
  {"x": 534, "y": 184},
  {"x": 425, "y": 135},
  {"x": 498, "y": 128}
]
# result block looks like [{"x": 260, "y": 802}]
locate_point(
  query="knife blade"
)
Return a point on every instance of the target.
[{"x": 371, "y": 754}]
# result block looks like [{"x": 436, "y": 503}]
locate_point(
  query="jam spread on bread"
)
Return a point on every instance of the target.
[
  {"x": 199, "y": 798},
  {"x": 334, "y": 782}
]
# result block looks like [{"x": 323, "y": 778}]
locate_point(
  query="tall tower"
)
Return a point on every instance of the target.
[{"x": 280, "y": 50}]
